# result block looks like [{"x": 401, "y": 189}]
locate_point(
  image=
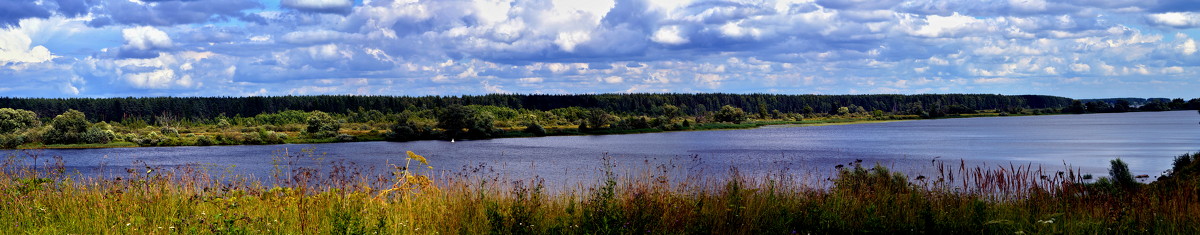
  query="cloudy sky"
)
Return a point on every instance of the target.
[{"x": 1073, "y": 48}]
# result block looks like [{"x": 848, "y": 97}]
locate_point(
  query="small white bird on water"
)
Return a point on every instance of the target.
[{"x": 451, "y": 140}]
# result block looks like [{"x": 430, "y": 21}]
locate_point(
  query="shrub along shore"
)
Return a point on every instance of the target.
[
  {"x": 199, "y": 121},
  {"x": 42, "y": 198}
]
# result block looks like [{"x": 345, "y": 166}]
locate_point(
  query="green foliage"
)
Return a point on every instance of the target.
[
  {"x": 1184, "y": 173},
  {"x": 68, "y": 128},
  {"x": 16, "y": 119},
  {"x": 322, "y": 125},
  {"x": 598, "y": 118},
  {"x": 459, "y": 121},
  {"x": 205, "y": 140},
  {"x": 1121, "y": 176},
  {"x": 535, "y": 129},
  {"x": 874, "y": 181},
  {"x": 282, "y": 110},
  {"x": 730, "y": 114},
  {"x": 11, "y": 140},
  {"x": 223, "y": 123},
  {"x": 1155, "y": 106},
  {"x": 670, "y": 111},
  {"x": 406, "y": 128},
  {"x": 169, "y": 131},
  {"x": 1076, "y": 107},
  {"x": 843, "y": 110},
  {"x": 282, "y": 118}
]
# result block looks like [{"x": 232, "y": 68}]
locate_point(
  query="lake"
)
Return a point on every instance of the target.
[{"x": 1147, "y": 141}]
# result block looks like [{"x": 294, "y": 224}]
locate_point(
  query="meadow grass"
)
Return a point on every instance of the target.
[{"x": 40, "y": 197}]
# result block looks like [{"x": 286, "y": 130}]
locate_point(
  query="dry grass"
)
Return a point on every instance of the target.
[{"x": 339, "y": 198}]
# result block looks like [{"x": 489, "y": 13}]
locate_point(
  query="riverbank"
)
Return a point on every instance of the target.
[{"x": 361, "y": 136}]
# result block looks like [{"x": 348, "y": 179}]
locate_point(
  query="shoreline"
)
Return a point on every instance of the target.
[{"x": 519, "y": 134}]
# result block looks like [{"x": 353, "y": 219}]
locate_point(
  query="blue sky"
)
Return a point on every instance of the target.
[{"x": 1073, "y": 48}]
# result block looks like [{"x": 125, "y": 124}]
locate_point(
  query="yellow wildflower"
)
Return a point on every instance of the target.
[{"x": 419, "y": 158}]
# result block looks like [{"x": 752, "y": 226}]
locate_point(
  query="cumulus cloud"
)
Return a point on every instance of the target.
[
  {"x": 566, "y": 46},
  {"x": 669, "y": 35},
  {"x": 146, "y": 38},
  {"x": 165, "y": 13},
  {"x": 1176, "y": 19},
  {"x": 15, "y": 47},
  {"x": 144, "y": 42},
  {"x": 612, "y": 79}
]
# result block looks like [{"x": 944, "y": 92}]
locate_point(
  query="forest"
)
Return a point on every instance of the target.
[
  {"x": 201, "y": 121},
  {"x": 200, "y": 108}
]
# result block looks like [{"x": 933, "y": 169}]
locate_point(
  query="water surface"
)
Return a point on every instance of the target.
[{"x": 1148, "y": 141}]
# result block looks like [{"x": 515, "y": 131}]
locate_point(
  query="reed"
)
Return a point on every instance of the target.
[{"x": 41, "y": 197}]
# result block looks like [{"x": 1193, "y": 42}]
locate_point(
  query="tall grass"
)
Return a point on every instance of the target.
[{"x": 40, "y": 197}]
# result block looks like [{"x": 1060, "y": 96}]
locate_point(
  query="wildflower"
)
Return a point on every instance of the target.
[{"x": 419, "y": 158}]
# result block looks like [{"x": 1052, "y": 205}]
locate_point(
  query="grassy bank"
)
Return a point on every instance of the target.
[{"x": 416, "y": 200}]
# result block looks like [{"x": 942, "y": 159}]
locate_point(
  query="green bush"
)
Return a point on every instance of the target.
[
  {"x": 731, "y": 114},
  {"x": 204, "y": 140},
  {"x": 11, "y": 140},
  {"x": 322, "y": 125},
  {"x": 96, "y": 135},
  {"x": 169, "y": 131},
  {"x": 151, "y": 139},
  {"x": 67, "y": 128},
  {"x": 535, "y": 129},
  {"x": 1121, "y": 176},
  {"x": 16, "y": 119}
]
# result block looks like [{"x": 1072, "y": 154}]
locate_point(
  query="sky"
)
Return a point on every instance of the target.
[{"x": 1072, "y": 48}]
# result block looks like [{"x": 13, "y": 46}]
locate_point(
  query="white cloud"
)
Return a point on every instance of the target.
[
  {"x": 669, "y": 35},
  {"x": 532, "y": 80},
  {"x": 568, "y": 40},
  {"x": 316, "y": 36},
  {"x": 157, "y": 79},
  {"x": 146, "y": 38},
  {"x": 947, "y": 26},
  {"x": 790, "y": 46},
  {"x": 998, "y": 80},
  {"x": 17, "y": 44},
  {"x": 1172, "y": 69},
  {"x": 711, "y": 81},
  {"x": 1187, "y": 46},
  {"x": 612, "y": 79},
  {"x": 15, "y": 47},
  {"x": 1176, "y": 19}
]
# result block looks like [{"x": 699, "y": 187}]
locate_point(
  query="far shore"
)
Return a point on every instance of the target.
[{"x": 703, "y": 127}]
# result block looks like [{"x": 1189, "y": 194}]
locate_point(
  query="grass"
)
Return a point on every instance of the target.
[{"x": 41, "y": 198}]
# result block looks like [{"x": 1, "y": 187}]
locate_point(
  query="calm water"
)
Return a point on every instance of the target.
[{"x": 1147, "y": 141}]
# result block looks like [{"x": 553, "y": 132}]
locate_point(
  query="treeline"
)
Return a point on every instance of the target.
[
  {"x": 205, "y": 108},
  {"x": 170, "y": 121},
  {"x": 1120, "y": 105}
]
